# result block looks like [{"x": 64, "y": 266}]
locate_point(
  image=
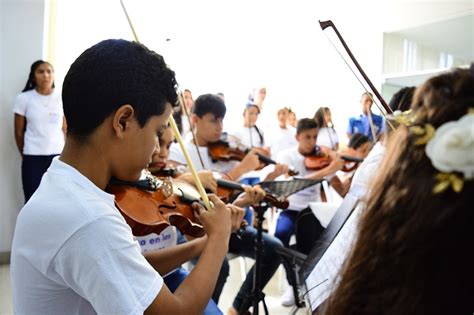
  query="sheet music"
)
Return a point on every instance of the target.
[
  {"x": 285, "y": 188},
  {"x": 322, "y": 279}
]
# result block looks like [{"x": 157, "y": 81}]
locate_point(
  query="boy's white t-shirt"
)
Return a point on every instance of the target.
[
  {"x": 73, "y": 252},
  {"x": 177, "y": 155},
  {"x": 327, "y": 137},
  {"x": 44, "y": 121},
  {"x": 224, "y": 167},
  {"x": 300, "y": 200}
]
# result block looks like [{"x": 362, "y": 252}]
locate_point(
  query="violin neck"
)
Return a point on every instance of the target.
[
  {"x": 144, "y": 184},
  {"x": 351, "y": 158},
  {"x": 229, "y": 185},
  {"x": 166, "y": 172},
  {"x": 265, "y": 159}
]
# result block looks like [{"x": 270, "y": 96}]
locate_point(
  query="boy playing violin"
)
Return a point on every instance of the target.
[
  {"x": 72, "y": 251},
  {"x": 306, "y": 135},
  {"x": 170, "y": 247},
  {"x": 207, "y": 116}
]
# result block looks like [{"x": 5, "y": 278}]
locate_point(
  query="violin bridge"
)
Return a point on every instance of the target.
[{"x": 167, "y": 187}]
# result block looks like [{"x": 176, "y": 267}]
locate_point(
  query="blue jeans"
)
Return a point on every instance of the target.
[
  {"x": 174, "y": 279},
  {"x": 270, "y": 262},
  {"x": 32, "y": 169},
  {"x": 303, "y": 224},
  {"x": 284, "y": 229},
  {"x": 285, "y": 226},
  {"x": 307, "y": 229}
]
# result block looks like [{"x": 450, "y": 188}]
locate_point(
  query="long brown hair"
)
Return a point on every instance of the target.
[
  {"x": 320, "y": 116},
  {"x": 412, "y": 253}
]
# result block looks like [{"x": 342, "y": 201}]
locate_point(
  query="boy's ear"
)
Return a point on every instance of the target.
[
  {"x": 122, "y": 119},
  {"x": 297, "y": 137},
  {"x": 194, "y": 118}
]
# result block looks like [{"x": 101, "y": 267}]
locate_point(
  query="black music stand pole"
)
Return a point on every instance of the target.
[
  {"x": 257, "y": 293},
  {"x": 279, "y": 189}
]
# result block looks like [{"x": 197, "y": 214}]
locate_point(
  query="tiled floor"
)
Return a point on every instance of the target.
[{"x": 273, "y": 291}]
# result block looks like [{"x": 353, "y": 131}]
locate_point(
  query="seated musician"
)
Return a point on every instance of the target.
[
  {"x": 72, "y": 251},
  {"x": 306, "y": 134},
  {"x": 170, "y": 243},
  {"x": 207, "y": 116}
]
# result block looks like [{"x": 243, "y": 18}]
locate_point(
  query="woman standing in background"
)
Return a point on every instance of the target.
[{"x": 39, "y": 125}]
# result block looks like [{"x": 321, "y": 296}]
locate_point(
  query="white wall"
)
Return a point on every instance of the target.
[
  {"x": 21, "y": 38},
  {"x": 229, "y": 47}
]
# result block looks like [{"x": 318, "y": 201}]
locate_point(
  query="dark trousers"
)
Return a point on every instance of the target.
[
  {"x": 32, "y": 169},
  {"x": 306, "y": 228},
  {"x": 245, "y": 246}
]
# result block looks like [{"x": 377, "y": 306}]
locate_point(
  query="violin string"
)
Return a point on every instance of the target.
[{"x": 358, "y": 79}]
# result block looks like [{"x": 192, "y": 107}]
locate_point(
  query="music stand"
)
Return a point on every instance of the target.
[
  {"x": 281, "y": 190},
  {"x": 340, "y": 218},
  {"x": 284, "y": 189}
]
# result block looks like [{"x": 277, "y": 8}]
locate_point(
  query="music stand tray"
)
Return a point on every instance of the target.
[{"x": 285, "y": 188}]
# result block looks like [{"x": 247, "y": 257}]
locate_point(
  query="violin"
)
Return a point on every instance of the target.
[
  {"x": 227, "y": 150},
  {"x": 151, "y": 205},
  {"x": 319, "y": 159},
  {"x": 225, "y": 187}
]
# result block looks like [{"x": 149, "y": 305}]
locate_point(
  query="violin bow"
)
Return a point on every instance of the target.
[
  {"x": 191, "y": 127},
  {"x": 173, "y": 125},
  {"x": 324, "y": 25}
]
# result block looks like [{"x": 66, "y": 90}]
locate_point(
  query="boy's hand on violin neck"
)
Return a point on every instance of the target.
[
  {"x": 206, "y": 177},
  {"x": 216, "y": 221},
  {"x": 280, "y": 169},
  {"x": 251, "y": 196},
  {"x": 236, "y": 217},
  {"x": 250, "y": 162},
  {"x": 208, "y": 180},
  {"x": 336, "y": 164}
]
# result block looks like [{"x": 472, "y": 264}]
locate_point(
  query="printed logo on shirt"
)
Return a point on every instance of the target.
[{"x": 153, "y": 241}]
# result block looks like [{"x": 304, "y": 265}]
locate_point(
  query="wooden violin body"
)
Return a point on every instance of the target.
[
  {"x": 320, "y": 159},
  {"x": 151, "y": 211}
]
